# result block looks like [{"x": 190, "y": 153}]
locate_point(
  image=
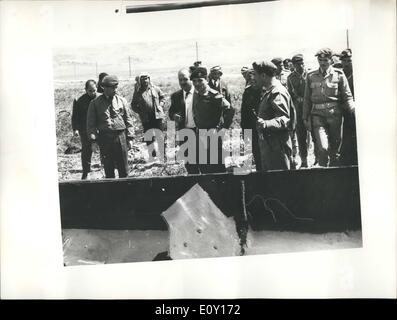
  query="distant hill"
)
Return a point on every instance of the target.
[{"x": 164, "y": 57}]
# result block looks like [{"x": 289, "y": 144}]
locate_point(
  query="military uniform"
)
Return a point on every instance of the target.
[
  {"x": 212, "y": 111},
  {"x": 274, "y": 136},
  {"x": 296, "y": 86},
  {"x": 110, "y": 122},
  {"x": 325, "y": 98}
]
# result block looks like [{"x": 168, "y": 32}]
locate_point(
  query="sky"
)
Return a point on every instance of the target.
[
  {"x": 278, "y": 28},
  {"x": 94, "y": 22}
]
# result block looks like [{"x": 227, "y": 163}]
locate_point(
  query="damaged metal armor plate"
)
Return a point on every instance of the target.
[{"x": 198, "y": 229}]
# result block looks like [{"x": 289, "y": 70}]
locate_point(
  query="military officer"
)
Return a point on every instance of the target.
[
  {"x": 296, "y": 86},
  {"x": 327, "y": 93},
  {"x": 273, "y": 122},
  {"x": 212, "y": 112}
]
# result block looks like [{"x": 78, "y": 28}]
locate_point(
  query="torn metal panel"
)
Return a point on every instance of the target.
[{"x": 198, "y": 229}]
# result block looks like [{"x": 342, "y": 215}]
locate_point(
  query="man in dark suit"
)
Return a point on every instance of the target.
[
  {"x": 182, "y": 102},
  {"x": 181, "y": 109},
  {"x": 79, "y": 124}
]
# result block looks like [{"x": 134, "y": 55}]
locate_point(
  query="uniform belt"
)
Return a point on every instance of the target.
[{"x": 323, "y": 106}]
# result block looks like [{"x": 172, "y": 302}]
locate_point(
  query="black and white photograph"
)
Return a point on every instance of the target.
[
  {"x": 198, "y": 149},
  {"x": 214, "y": 144}
]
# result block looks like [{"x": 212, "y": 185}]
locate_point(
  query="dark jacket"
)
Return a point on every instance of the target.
[
  {"x": 249, "y": 103},
  {"x": 212, "y": 111},
  {"x": 178, "y": 107},
  {"x": 79, "y": 113}
]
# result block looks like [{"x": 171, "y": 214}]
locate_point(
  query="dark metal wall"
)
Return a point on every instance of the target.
[{"x": 313, "y": 200}]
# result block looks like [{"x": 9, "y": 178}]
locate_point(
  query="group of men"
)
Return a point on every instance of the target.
[{"x": 281, "y": 108}]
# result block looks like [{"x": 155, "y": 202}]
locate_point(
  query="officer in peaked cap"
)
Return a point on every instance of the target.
[
  {"x": 327, "y": 95},
  {"x": 199, "y": 72},
  {"x": 297, "y": 58},
  {"x": 324, "y": 53},
  {"x": 210, "y": 111}
]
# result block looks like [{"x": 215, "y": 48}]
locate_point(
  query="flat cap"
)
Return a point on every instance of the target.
[
  {"x": 199, "y": 72},
  {"x": 266, "y": 67},
  {"x": 277, "y": 60},
  {"x": 110, "y": 81},
  {"x": 324, "y": 53},
  {"x": 347, "y": 53},
  {"x": 297, "y": 58},
  {"x": 216, "y": 69}
]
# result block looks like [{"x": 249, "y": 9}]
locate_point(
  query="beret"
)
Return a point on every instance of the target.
[
  {"x": 324, "y": 53},
  {"x": 269, "y": 68},
  {"x": 110, "y": 81},
  {"x": 199, "y": 72},
  {"x": 347, "y": 53},
  {"x": 244, "y": 70},
  {"x": 287, "y": 60},
  {"x": 197, "y": 63},
  {"x": 277, "y": 60},
  {"x": 297, "y": 58}
]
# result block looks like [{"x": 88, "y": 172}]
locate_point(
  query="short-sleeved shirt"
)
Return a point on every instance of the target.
[{"x": 331, "y": 87}]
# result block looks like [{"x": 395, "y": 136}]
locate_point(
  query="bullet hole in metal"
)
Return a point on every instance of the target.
[
  {"x": 185, "y": 244},
  {"x": 199, "y": 230}
]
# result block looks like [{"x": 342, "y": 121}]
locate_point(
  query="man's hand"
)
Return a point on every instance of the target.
[
  {"x": 76, "y": 133},
  {"x": 308, "y": 124},
  {"x": 92, "y": 137},
  {"x": 260, "y": 123}
]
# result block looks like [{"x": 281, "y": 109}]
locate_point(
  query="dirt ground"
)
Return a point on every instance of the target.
[{"x": 87, "y": 247}]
